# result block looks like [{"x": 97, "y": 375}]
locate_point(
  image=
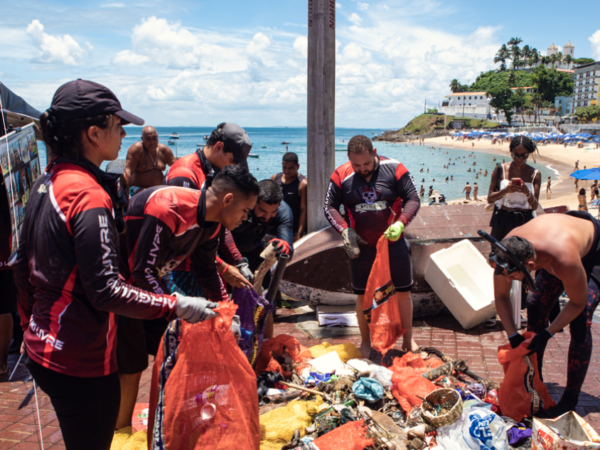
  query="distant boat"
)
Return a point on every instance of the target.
[
  {"x": 171, "y": 142},
  {"x": 285, "y": 143},
  {"x": 264, "y": 146},
  {"x": 174, "y": 136},
  {"x": 253, "y": 155},
  {"x": 199, "y": 144},
  {"x": 206, "y": 136}
]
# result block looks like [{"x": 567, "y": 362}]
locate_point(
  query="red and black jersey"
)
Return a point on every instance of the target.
[
  {"x": 195, "y": 172},
  {"x": 67, "y": 277},
  {"x": 370, "y": 207},
  {"x": 165, "y": 226}
]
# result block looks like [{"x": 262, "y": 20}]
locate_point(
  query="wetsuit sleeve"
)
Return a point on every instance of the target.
[
  {"x": 411, "y": 202},
  {"x": 25, "y": 290},
  {"x": 96, "y": 251},
  {"x": 333, "y": 201},
  {"x": 152, "y": 240},
  {"x": 284, "y": 221},
  {"x": 228, "y": 249},
  {"x": 205, "y": 269},
  {"x": 181, "y": 176}
]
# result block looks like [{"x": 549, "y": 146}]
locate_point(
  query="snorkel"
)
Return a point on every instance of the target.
[{"x": 511, "y": 265}]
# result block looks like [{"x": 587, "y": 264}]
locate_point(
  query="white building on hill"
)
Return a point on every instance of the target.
[
  {"x": 474, "y": 105},
  {"x": 586, "y": 90}
]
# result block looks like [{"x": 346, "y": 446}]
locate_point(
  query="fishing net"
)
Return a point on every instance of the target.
[{"x": 350, "y": 436}]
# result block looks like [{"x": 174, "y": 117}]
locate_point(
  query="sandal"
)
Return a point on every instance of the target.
[{"x": 491, "y": 322}]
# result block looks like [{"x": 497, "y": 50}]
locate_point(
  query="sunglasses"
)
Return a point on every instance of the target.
[{"x": 522, "y": 156}]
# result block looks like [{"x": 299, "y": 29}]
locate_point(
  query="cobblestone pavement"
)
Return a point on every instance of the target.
[{"x": 19, "y": 424}]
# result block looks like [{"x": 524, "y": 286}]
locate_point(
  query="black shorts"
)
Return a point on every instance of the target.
[
  {"x": 8, "y": 292},
  {"x": 136, "y": 339},
  {"x": 400, "y": 267}
]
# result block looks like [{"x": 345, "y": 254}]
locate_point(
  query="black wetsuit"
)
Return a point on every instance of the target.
[
  {"x": 291, "y": 195},
  {"x": 549, "y": 288}
]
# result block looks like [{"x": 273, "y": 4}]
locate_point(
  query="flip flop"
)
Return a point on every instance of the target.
[{"x": 490, "y": 323}]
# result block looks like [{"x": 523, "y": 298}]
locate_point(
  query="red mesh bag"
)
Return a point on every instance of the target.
[
  {"x": 210, "y": 396},
  {"x": 380, "y": 305},
  {"x": 350, "y": 436},
  {"x": 275, "y": 347},
  {"x": 408, "y": 384},
  {"x": 522, "y": 392}
]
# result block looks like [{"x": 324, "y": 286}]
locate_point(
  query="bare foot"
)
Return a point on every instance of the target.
[
  {"x": 365, "y": 350},
  {"x": 412, "y": 345}
]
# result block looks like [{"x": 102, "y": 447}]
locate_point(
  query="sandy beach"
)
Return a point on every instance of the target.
[{"x": 558, "y": 158}]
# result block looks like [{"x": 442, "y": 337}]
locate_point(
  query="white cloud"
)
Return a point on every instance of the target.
[
  {"x": 301, "y": 45},
  {"x": 355, "y": 19},
  {"x": 113, "y": 5},
  {"x": 55, "y": 49},
  {"x": 259, "y": 43},
  {"x": 595, "y": 40},
  {"x": 338, "y": 5},
  {"x": 362, "y": 6},
  {"x": 129, "y": 58}
]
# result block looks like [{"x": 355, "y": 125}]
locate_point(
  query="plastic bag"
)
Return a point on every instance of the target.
[
  {"x": 368, "y": 389},
  {"x": 522, "y": 392},
  {"x": 380, "y": 304},
  {"x": 345, "y": 351},
  {"x": 350, "y": 436},
  {"x": 253, "y": 311},
  {"x": 277, "y": 346},
  {"x": 478, "y": 428},
  {"x": 210, "y": 396},
  {"x": 126, "y": 439},
  {"x": 566, "y": 432},
  {"x": 408, "y": 386}
]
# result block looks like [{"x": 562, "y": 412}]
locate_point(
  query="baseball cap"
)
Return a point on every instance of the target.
[
  {"x": 82, "y": 98},
  {"x": 236, "y": 140}
]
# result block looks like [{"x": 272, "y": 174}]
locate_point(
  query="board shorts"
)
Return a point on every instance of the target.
[
  {"x": 136, "y": 339},
  {"x": 400, "y": 267}
]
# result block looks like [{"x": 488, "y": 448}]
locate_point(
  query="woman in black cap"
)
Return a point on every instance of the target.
[{"x": 67, "y": 266}]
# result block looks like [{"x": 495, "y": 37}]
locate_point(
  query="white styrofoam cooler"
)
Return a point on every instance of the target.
[{"x": 464, "y": 281}]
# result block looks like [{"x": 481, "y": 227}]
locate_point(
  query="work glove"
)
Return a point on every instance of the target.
[
  {"x": 515, "y": 340},
  {"x": 236, "y": 327},
  {"x": 281, "y": 246},
  {"x": 195, "y": 309},
  {"x": 244, "y": 269},
  {"x": 351, "y": 241},
  {"x": 394, "y": 231},
  {"x": 539, "y": 342}
]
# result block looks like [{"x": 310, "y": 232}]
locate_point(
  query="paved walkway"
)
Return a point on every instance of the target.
[{"x": 18, "y": 421}]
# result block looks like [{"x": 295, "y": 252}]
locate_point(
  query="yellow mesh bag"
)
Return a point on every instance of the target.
[
  {"x": 124, "y": 440},
  {"x": 345, "y": 351},
  {"x": 278, "y": 425}
]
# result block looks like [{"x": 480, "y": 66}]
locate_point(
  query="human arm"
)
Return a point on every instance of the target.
[
  {"x": 411, "y": 202},
  {"x": 203, "y": 264},
  {"x": 303, "y": 191},
  {"x": 170, "y": 157},
  {"x": 184, "y": 177},
  {"x": 134, "y": 155},
  {"x": 333, "y": 201},
  {"x": 228, "y": 249},
  {"x": 284, "y": 221},
  {"x": 502, "y": 286},
  {"x": 532, "y": 197},
  {"x": 20, "y": 268},
  {"x": 572, "y": 274}
]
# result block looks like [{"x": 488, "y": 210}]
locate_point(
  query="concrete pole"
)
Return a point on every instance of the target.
[{"x": 320, "y": 107}]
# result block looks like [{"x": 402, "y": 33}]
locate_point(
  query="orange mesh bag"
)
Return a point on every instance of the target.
[
  {"x": 380, "y": 305},
  {"x": 275, "y": 347},
  {"x": 522, "y": 392},
  {"x": 350, "y": 436},
  {"x": 210, "y": 398},
  {"x": 408, "y": 384}
]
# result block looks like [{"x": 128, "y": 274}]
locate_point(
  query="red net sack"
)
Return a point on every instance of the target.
[
  {"x": 276, "y": 347},
  {"x": 209, "y": 399},
  {"x": 380, "y": 305},
  {"x": 350, "y": 436},
  {"x": 522, "y": 392},
  {"x": 408, "y": 384}
]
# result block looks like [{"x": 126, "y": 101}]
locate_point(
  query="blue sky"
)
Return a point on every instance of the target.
[{"x": 201, "y": 63}]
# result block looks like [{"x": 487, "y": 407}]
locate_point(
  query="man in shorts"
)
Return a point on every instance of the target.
[
  {"x": 564, "y": 250},
  {"x": 379, "y": 197},
  {"x": 169, "y": 228}
]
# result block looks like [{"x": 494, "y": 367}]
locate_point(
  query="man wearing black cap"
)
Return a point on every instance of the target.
[
  {"x": 228, "y": 144},
  {"x": 564, "y": 249}
]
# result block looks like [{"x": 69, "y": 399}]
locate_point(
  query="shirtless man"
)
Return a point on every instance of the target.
[
  {"x": 146, "y": 161},
  {"x": 564, "y": 250},
  {"x": 467, "y": 191},
  {"x": 475, "y": 191}
]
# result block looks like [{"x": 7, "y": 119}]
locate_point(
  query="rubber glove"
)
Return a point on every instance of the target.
[
  {"x": 515, "y": 340},
  {"x": 539, "y": 342},
  {"x": 195, "y": 309},
  {"x": 281, "y": 246},
  {"x": 351, "y": 241},
  {"x": 236, "y": 328},
  {"x": 244, "y": 269},
  {"x": 394, "y": 231}
]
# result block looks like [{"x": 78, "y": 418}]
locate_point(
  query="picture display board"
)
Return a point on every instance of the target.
[{"x": 20, "y": 166}]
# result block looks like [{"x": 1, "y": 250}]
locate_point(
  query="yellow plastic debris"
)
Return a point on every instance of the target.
[
  {"x": 345, "y": 351},
  {"x": 125, "y": 440},
  {"x": 278, "y": 425}
]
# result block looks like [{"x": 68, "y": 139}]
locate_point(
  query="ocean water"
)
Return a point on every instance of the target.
[{"x": 267, "y": 143}]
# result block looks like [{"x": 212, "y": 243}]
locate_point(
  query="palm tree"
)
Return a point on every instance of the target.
[
  {"x": 455, "y": 86},
  {"x": 515, "y": 54},
  {"x": 568, "y": 60},
  {"x": 559, "y": 58},
  {"x": 525, "y": 54},
  {"x": 515, "y": 41},
  {"x": 502, "y": 55},
  {"x": 534, "y": 57}
]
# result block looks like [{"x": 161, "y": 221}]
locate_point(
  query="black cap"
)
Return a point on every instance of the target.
[
  {"x": 236, "y": 140},
  {"x": 81, "y": 98}
]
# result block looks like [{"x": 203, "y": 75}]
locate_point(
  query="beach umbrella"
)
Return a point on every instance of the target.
[{"x": 587, "y": 174}]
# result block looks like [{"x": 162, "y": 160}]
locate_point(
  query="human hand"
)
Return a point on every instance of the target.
[
  {"x": 516, "y": 340},
  {"x": 281, "y": 246},
  {"x": 22, "y": 347},
  {"x": 394, "y": 231},
  {"x": 234, "y": 277},
  {"x": 195, "y": 309},
  {"x": 539, "y": 342},
  {"x": 351, "y": 241}
]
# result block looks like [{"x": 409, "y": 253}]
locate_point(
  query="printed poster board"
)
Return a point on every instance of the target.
[{"x": 20, "y": 166}]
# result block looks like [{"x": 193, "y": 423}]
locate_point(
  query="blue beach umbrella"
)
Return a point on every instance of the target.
[{"x": 587, "y": 174}]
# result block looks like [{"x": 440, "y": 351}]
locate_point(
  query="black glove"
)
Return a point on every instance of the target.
[
  {"x": 538, "y": 343},
  {"x": 515, "y": 340}
]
